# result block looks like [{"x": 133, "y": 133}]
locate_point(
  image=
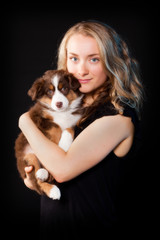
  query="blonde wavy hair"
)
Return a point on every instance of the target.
[{"x": 123, "y": 85}]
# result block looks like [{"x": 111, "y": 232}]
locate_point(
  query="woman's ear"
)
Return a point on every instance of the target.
[{"x": 36, "y": 91}]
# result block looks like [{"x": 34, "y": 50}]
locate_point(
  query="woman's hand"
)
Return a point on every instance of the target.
[{"x": 27, "y": 180}]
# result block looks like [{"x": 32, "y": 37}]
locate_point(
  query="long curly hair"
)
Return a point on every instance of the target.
[{"x": 123, "y": 85}]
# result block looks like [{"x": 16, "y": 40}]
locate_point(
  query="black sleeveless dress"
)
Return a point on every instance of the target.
[{"x": 93, "y": 204}]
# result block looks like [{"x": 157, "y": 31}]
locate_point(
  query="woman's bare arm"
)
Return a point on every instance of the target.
[{"x": 88, "y": 149}]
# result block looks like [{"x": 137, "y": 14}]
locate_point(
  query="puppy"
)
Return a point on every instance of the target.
[{"x": 56, "y": 112}]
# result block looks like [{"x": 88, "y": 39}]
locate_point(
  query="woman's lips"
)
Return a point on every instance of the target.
[{"x": 84, "y": 80}]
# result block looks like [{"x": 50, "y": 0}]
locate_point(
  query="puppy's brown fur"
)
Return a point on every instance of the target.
[{"x": 40, "y": 91}]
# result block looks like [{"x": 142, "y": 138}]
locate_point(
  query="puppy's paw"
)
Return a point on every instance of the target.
[
  {"x": 42, "y": 174},
  {"x": 66, "y": 140},
  {"x": 55, "y": 193}
]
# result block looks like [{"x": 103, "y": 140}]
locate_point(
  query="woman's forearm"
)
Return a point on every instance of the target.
[
  {"x": 50, "y": 155},
  {"x": 88, "y": 149}
]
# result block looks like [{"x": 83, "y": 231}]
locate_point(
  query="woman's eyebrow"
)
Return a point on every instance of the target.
[
  {"x": 73, "y": 54},
  {"x": 90, "y": 55}
]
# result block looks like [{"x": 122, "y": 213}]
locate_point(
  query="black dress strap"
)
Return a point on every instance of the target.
[{"x": 106, "y": 109}]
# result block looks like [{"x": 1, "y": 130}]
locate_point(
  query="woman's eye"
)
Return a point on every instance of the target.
[
  {"x": 74, "y": 59},
  {"x": 93, "y": 60}
]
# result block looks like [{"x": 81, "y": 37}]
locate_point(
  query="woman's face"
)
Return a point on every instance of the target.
[{"x": 84, "y": 62}]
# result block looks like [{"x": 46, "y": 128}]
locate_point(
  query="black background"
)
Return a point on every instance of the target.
[{"x": 30, "y": 36}]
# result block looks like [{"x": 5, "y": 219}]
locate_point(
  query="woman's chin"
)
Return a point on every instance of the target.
[{"x": 86, "y": 89}]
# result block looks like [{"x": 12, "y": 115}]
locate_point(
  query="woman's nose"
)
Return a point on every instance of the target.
[{"x": 83, "y": 70}]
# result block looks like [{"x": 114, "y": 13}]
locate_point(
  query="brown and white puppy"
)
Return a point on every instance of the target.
[{"x": 56, "y": 112}]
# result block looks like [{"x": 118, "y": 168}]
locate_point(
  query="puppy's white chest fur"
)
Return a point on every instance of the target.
[{"x": 65, "y": 119}]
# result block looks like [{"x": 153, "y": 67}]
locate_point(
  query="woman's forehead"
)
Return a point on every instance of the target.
[{"x": 79, "y": 44}]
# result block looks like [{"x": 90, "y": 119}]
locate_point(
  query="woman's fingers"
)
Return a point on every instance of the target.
[
  {"x": 27, "y": 180},
  {"x": 28, "y": 169}
]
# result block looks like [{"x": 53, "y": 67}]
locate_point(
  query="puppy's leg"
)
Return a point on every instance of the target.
[
  {"x": 66, "y": 139},
  {"x": 31, "y": 159},
  {"x": 51, "y": 190}
]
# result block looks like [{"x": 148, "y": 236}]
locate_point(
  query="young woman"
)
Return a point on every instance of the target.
[{"x": 91, "y": 174}]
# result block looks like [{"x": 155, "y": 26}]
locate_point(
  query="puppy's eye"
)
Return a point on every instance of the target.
[
  {"x": 50, "y": 93},
  {"x": 64, "y": 90}
]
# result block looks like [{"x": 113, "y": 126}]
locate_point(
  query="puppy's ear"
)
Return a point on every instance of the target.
[
  {"x": 73, "y": 82},
  {"x": 36, "y": 91}
]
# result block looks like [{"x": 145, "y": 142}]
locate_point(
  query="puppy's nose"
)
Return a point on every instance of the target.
[{"x": 59, "y": 104}]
